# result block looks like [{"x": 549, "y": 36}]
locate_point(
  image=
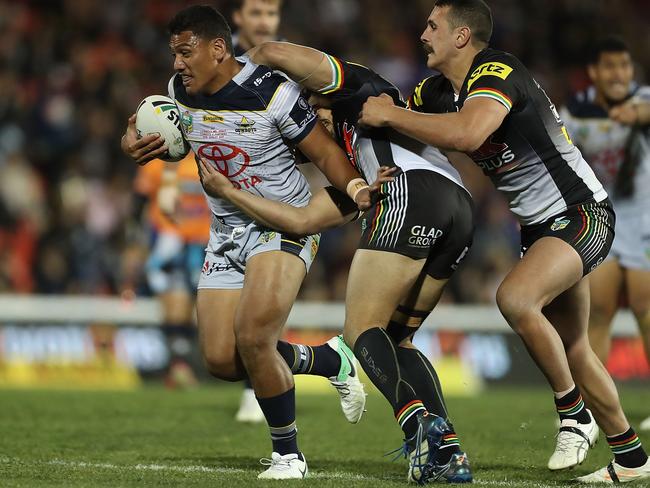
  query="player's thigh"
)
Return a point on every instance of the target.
[
  {"x": 606, "y": 284},
  {"x": 271, "y": 284},
  {"x": 377, "y": 283},
  {"x": 637, "y": 283},
  {"x": 216, "y": 310},
  {"x": 549, "y": 267},
  {"x": 557, "y": 253}
]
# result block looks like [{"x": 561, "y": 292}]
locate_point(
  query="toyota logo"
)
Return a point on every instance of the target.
[{"x": 221, "y": 155}]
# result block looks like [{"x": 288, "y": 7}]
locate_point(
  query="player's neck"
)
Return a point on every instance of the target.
[
  {"x": 459, "y": 67},
  {"x": 226, "y": 72}
]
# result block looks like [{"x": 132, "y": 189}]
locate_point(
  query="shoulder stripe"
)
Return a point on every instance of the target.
[
  {"x": 337, "y": 76},
  {"x": 491, "y": 93}
]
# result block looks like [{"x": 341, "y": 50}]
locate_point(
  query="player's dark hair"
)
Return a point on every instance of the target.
[
  {"x": 204, "y": 21},
  {"x": 475, "y": 14},
  {"x": 609, "y": 44},
  {"x": 239, "y": 4}
]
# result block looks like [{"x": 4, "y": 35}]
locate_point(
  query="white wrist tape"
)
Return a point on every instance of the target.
[{"x": 355, "y": 186}]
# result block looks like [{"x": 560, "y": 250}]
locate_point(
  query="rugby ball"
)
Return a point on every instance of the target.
[{"x": 159, "y": 114}]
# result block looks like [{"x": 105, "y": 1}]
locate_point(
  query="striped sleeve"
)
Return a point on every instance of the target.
[
  {"x": 498, "y": 78},
  {"x": 497, "y": 95},
  {"x": 338, "y": 76}
]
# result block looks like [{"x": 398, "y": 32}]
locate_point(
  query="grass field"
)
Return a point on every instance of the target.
[{"x": 154, "y": 437}]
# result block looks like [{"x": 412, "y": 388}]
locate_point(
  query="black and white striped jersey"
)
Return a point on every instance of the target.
[
  {"x": 245, "y": 130},
  {"x": 530, "y": 158},
  {"x": 619, "y": 154},
  {"x": 366, "y": 148}
]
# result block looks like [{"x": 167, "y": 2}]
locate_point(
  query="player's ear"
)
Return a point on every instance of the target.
[
  {"x": 219, "y": 49},
  {"x": 462, "y": 36},
  {"x": 591, "y": 71}
]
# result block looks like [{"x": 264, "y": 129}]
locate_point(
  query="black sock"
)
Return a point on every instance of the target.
[
  {"x": 424, "y": 379},
  {"x": 627, "y": 449},
  {"x": 280, "y": 413},
  {"x": 571, "y": 406},
  {"x": 376, "y": 352},
  {"x": 315, "y": 360}
]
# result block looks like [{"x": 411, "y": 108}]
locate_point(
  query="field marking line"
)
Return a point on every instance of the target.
[{"x": 342, "y": 475}]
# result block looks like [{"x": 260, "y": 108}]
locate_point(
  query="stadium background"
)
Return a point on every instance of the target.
[
  {"x": 75, "y": 310},
  {"x": 71, "y": 72}
]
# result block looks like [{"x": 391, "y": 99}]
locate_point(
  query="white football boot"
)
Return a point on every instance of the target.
[
  {"x": 286, "y": 467},
  {"x": 573, "y": 443},
  {"x": 347, "y": 384},
  {"x": 249, "y": 409},
  {"x": 615, "y": 473},
  {"x": 645, "y": 424}
]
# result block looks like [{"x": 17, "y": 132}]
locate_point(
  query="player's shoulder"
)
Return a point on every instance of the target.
[
  {"x": 492, "y": 62},
  {"x": 582, "y": 105},
  {"x": 642, "y": 92}
]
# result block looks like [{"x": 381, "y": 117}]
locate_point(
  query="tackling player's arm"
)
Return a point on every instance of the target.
[
  {"x": 493, "y": 89},
  {"x": 308, "y": 67},
  {"x": 463, "y": 131},
  {"x": 327, "y": 208}
]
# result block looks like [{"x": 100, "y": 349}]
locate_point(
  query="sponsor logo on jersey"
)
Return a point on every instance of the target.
[
  {"x": 267, "y": 236},
  {"x": 494, "y": 157},
  {"x": 315, "y": 242},
  {"x": 560, "y": 223},
  {"x": 213, "y": 118},
  {"x": 422, "y": 236},
  {"x": 499, "y": 70},
  {"x": 349, "y": 136},
  {"x": 210, "y": 268},
  {"x": 245, "y": 126},
  {"x": 231, "y": 161},
  {"x": 187, "y": 122}
]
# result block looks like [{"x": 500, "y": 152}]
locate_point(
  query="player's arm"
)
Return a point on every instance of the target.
[
  {"x": 319, "y": 148},
  {"x": 327, "y": 208},
  {"x": 635, "y": 112},
  {"x": 463, "y": 131},
  {"x": 308, "y": 67}
]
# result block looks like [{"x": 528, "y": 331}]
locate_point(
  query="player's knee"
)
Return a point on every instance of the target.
[
  {"x": 222, "y": 369},
  {"x": 516, "y": 306},
  {"x": 253, "y": 341},
  {"x": 641, "y": 310},
  {"x": 601, "y": 314}
]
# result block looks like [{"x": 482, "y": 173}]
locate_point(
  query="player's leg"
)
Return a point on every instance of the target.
[
  {"x": 637, "y": 283},
  {"x": 216, "y": 317},
  {"x": 638, "y": 292},
  {"x": 606, "y": 283},
  {"x": 271, "y": 285},
  {"x": 166, "y": 277},
  {"x": 421, "y": 374}
]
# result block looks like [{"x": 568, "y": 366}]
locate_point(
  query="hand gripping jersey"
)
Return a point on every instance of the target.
[
  {"x": 614, "y": 151},
  {"x": 367, "y": 149},
  {"x": 245, "y": 130},
  {"x": 530, "y": 158}
]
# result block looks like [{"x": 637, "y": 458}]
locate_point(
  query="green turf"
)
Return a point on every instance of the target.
[{"x": 155, "y": 437}]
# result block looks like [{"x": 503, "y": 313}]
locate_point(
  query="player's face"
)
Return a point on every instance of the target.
[
  {"x": 195, "y": 59},
  {"x": 438, "y": 38},
  {"x": 257, "y": 21},
  {"x": 612, "y": 75}
]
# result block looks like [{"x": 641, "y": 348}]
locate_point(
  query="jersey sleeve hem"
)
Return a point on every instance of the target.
[{"x": 497, "y": 95}]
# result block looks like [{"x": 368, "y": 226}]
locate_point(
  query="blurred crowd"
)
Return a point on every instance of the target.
[{"x": 72, "y": 71}]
